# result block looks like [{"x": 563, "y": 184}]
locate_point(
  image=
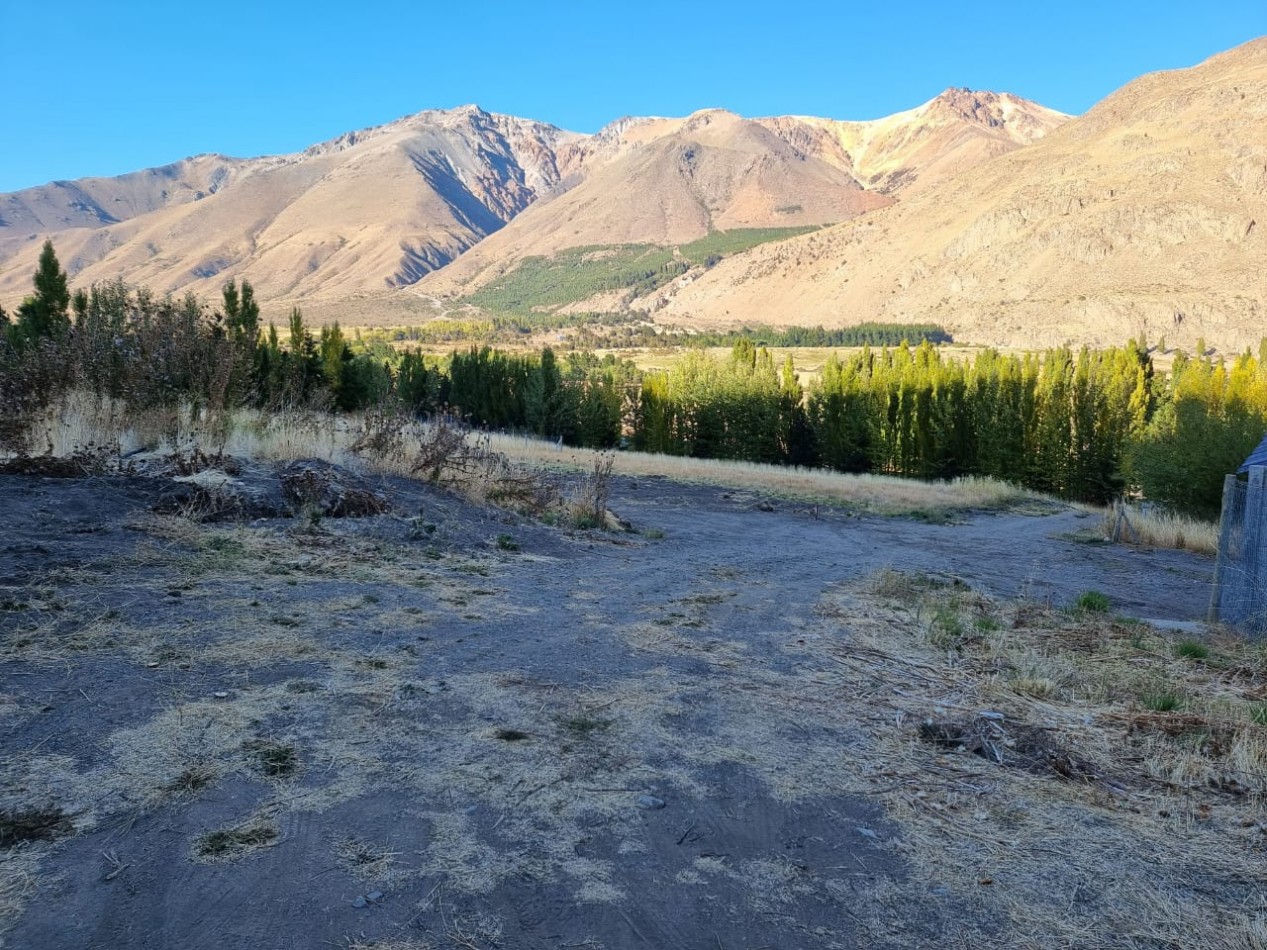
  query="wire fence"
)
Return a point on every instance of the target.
[{"x": 1239, "y": 597}]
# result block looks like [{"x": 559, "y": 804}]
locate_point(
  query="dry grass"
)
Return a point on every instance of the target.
[
  {"x": 1159, "y": 529},
  {"x": 1071, "y": 786},
  {"x": 488, "y": 467},
  {"x": 881, "y": 494},
  {"x": 19, "y": 882}
]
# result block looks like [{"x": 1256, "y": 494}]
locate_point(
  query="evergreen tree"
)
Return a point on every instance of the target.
[
  {"x": 45, "y": 314},
  {"x": 546, "y": 409},
  {"x": 417, "y": 385},
  {"x": 241, "y": 326},
  {"x": 331, "y": 351}
]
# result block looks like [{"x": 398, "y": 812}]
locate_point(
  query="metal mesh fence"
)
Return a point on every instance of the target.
[{"x": 1239, "y": 597}]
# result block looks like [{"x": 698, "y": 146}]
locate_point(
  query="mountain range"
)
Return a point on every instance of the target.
[{"x": 1004, "y": 221}]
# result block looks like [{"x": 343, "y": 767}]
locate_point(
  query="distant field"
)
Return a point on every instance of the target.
[
  {"x": 806, "y": 360},
  {"x": 579, "y": 273}
]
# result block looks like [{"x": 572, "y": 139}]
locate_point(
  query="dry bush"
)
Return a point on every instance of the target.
[
  {"x": 447, "y": 455},
  {"x": 588, "y": 504},
  {"x": 29, "y": 382},
  {"x": 323, "y": 491},
  {"x": 385, "y": 432},
  {"x": 442, "y": 449}
]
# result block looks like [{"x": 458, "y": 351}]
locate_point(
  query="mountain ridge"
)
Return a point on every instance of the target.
[
  {"x": 1142, "y": 217},
  {"x": 382, "y": 207}
]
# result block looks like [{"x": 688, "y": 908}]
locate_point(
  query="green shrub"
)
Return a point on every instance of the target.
[
  {"x": 1161, "y": 700},
  {"x": 1092, "y": 602},
  {"x": 946, "y": 629},
  {"x": 1191, "y": 650}
]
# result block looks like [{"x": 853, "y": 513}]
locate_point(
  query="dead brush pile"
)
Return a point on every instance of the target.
[
  {"x": 81, "y": 434},
  {"x": 1104, "y": 779},
  {"x": 447, "y": 454}
]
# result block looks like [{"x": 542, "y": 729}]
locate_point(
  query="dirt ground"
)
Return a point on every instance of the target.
[{"x": 447, "y": 726}]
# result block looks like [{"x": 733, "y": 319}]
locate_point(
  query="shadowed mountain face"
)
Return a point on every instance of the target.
[
  {"x": 382, "y": 208},
  {"x": 1143, "y": 216}
]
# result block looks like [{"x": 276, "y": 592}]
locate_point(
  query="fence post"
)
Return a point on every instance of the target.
[
  {"x": 1254, "y": 562},
  {"x": 1225, "y": 538}
]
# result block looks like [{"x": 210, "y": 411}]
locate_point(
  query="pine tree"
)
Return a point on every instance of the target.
[{"x": 45, "y": 314}]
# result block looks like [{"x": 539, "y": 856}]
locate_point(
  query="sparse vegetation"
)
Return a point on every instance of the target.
[
  {"x": 366, "y": 697},
  {"x": 33, "y": 824},
  {"x": 1161, "y": 699},
  {"x": 1160, "y": 529},
  {"x": 228, "y": 844},
  {"x": 272, "y": 759},
  {"x": 1192, "y": 650},
  {"x": 1092, "y": 602}
]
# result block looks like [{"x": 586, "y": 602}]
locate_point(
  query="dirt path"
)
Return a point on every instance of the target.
[{"x": 451, "y": 728}]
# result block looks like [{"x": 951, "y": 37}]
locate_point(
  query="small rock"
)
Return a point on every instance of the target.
[
  {"x": 374, "y": 896},
  {"x": 868, "y": 833},
  {"x": 650, "y": 801},
  {"x": 220, "y": 694},
  {"x": 360, "y": 902},
  {"x": 764, "y": 506}
]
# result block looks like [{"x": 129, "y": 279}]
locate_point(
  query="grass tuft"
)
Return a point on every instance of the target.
[
  {"x": 231, "y": 843},
  {"x": 1160, "y": 529},
  {"x": 273, "y": 759},
  {"x": 1192, "y": 650},
  {"x": 1162, "y": 700},
  {"x": 33, "y": 824},
  {"x": 1092, "y": 602}
]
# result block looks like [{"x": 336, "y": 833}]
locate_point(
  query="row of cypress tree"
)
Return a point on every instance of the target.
[{"x": 1084, "y": 426}]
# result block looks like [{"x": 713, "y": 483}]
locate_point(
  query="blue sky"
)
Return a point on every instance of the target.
[{"x": 103, "y": 88}]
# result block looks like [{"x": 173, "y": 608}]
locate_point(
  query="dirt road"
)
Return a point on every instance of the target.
[{"x": 450, "y": 727}]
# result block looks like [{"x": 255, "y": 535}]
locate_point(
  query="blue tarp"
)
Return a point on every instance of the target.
[{"x": 1256, "y": 457}]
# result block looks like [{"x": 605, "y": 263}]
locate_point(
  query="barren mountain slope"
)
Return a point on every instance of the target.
[
  {"x": 364, "y": 211},
  {"x": 1145, "y": 215},
  {"x": 95, "y": 202},
  {"x": 671, "y": 181},
  {"x": 668, "y": 181},
  {"x": 909, "y": 151}
]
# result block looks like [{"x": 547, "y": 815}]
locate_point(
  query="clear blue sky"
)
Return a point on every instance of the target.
[{"x": 102, "y": 88}]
